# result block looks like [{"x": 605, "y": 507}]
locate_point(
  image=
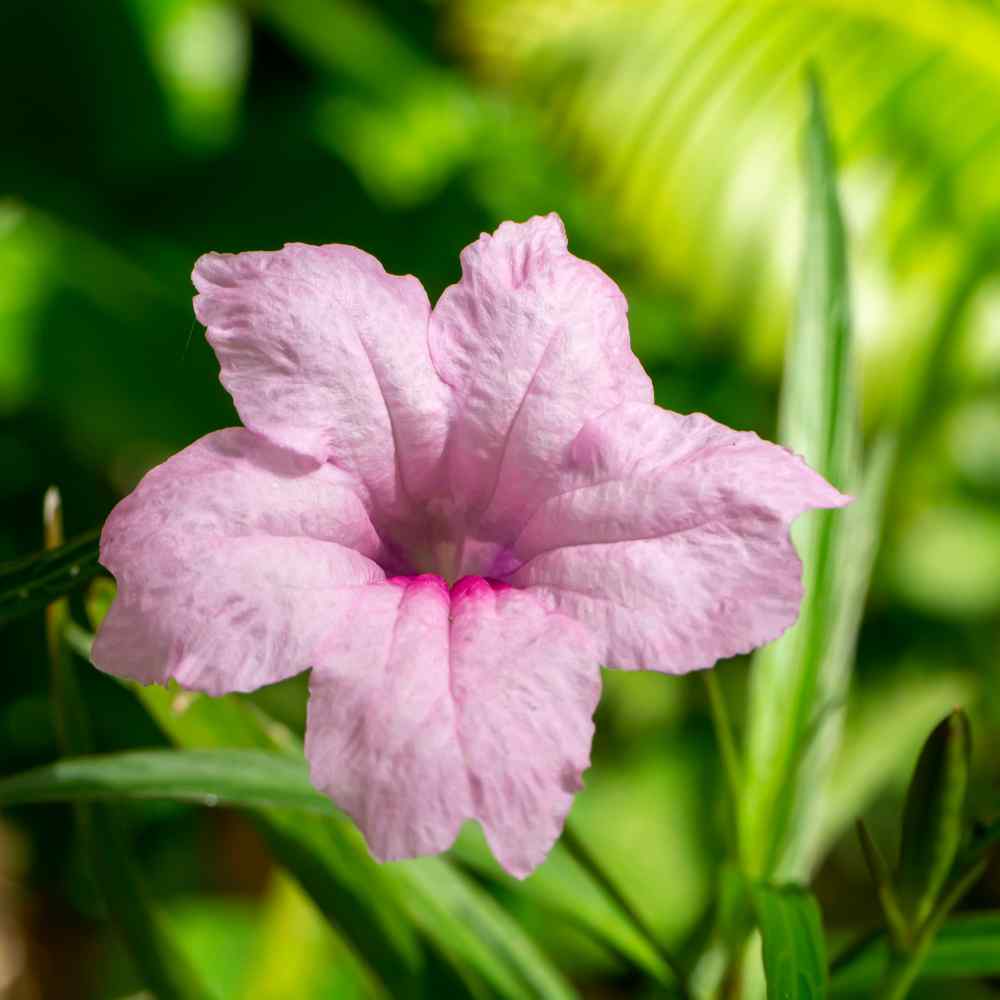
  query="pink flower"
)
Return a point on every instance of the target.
[{"x": 453, "y": 516}]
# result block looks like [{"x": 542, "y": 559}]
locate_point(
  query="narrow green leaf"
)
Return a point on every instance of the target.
[
  {"x": 591, "y": 864},
  {"x": 383, "y": 910},
  {"x": 818, "y": 408},
  {"x": 566, "y": 891},
  {"x": 208, "y": 777},
  {"x": 325, "y": 854},
  {"x": 883, "y": 735},
  {"x": 161, "y": 964},
  {"x": 799, "y": 683},
  {"x": 933, "y": 819},
  {"x": 465, "y": 923},
  {"x": 331, "y": 864},
  {"x": 28, "y": 584},
  {"x": 150, "y": 941},
  {"x": 792, "y": 936},
  {"x": 967, "y": 946},
  {"x": 460, "y": 920}
]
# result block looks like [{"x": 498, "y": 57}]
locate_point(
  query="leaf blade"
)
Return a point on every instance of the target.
[
  {"x": 330, "y": 864},
  {"x": 794, "y": 948},
  {"x": 161, "y": 963},
  {"x": 253, "y": 778},
  {"x": 799, "y": 683},
  {"x": 379, "y": 908},
  {"x": 933, "y": 817}
]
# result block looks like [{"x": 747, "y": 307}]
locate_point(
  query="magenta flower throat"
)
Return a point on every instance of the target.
[{"x": 453, "y": 516}]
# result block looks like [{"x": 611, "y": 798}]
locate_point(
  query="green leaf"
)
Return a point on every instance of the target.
[
  {"x": 298, "y": 954},
  {"x": 383, "y": 910},
  {"x": 934, "y": 815},
  {"x": 465, "y": 923},
  {"x": 683, "y": 116},
  {"x": 28, "y": 584},
  {"x": 459, "y": 919},
  {"x": 799, "y": 683},
  {"x": 208, "y": 777},
  {"x": 325, "y": 854},
  {"x": 792, "y": 936},
  {"x": 818, "y": 414},
  {"x": 886, "y": 724},
  {"x": 566, "y": 891},
  {"x": 161, "y": 964},
  {"x": 966, "y": 946}
]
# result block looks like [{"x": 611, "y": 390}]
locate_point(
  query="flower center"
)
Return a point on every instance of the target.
[
  {"x": 446, "y": 560},
  {"x": 453, "y": 556}
]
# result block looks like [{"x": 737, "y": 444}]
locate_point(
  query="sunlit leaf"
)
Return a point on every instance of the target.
[
  {"x": 683, "y": 117},
  {"x": 799, "y": 683},
  {"x": 298, "y": 954}
]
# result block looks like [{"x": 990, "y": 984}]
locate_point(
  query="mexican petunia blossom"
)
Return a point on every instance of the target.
[{"x": 453, "y": 516}]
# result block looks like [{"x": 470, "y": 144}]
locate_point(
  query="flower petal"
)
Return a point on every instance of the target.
[
  {"x": 230, "y": 558},
  {"x": 325, "y": 353},
  {"x": 428, "y": 708},
  {"x": 672, "y": 544},
  {"x": 533, "y": 341}
]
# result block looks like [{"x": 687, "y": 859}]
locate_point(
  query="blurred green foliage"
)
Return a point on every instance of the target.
[{"x": 138, "y": 134}]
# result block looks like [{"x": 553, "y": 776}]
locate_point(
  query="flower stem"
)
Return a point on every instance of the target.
[
  {"x": 895, "y": 922},
  {"x": 905, "y": 966},
  {"x": 585, "y": 858},
  {"x": 731, "y": 763}
]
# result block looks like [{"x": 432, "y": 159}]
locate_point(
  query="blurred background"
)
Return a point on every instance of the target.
[{"x": 137, "y": 134}]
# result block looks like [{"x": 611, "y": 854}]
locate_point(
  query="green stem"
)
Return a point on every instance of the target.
[
  {"x": 901, "y": 974},
  {"x": 904, "y": 967},
  {"x": 731, "y": 763},
  {"x": 73, "y": 733},
  {"x": 585, "y": 858},
  {"x": 899, "y": 931}
]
